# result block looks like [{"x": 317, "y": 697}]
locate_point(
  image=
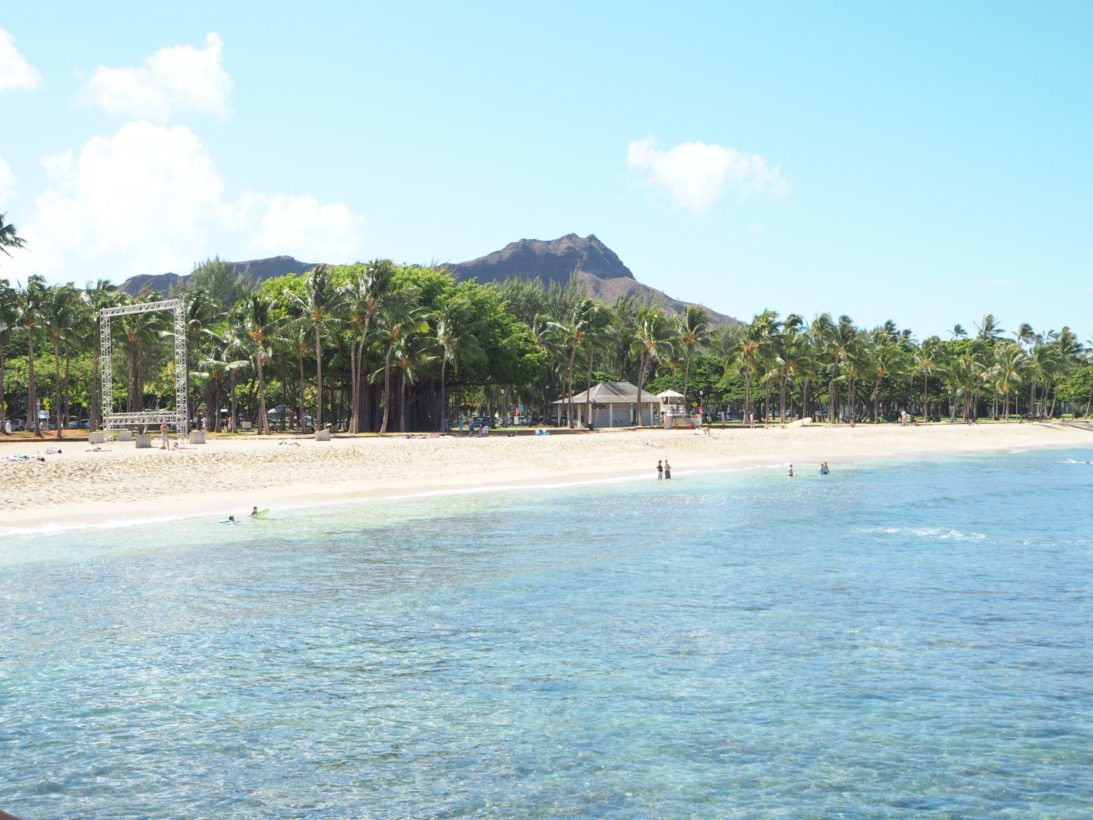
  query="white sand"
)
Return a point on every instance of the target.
[{"x": 229, "y": 476}]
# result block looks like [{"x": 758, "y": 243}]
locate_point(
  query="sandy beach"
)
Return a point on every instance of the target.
[{"x": 120, "y": 484}]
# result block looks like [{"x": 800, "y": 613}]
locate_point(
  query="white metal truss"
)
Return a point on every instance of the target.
[{"x": 180, "y": 415}]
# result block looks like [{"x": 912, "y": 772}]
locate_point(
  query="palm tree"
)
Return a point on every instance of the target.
[
  {"x": 9, "y": 312},
  {"x": 59, "y": 316},
  {"x": 260, "y": 329},
  {"x": 202, "y": 311},
  {"x": 1025, "y": 334},
  {"x": 787, "y": 359},
  {"x": 8, "y": 237},
  {"x": 989, "y": 329},
  {"x": 886, "y": 360},
  {"x": 926, "y": 362},
  {"x": 399, "y": 317},
  {"x": 819, "y": 332},
  {"x": 317, "y": 303},
  {"x": 220, "y": 359},
  {"x": 652, "y": 340},
  {"x": 694, "y": 332},
  {"x": 141, "y": 331},
  {"x": 571, "y": 332},
  {"x": 1009, "y": 365},
  {"x": 28, "y": 317},
  {"x": 411, "y": 353},
  {"x": 752, "y": 352},
  {"x": 363, "y": 295},
  {"x": 846, "y": 355},
  {"x": 599, "y": 328},
  {"x": 456, "y": 340}
]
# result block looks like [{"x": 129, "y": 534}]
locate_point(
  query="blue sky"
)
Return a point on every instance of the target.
[{"x": 926, "y": 162}]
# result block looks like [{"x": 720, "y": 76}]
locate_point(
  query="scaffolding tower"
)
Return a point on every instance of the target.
[{"x": 180, "y": 416}]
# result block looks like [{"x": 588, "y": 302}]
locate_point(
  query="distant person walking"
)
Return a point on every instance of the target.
[
  {"x": 789, "y": 472},
  {"x": 660, "y": 470},
  {"x": 667, "y": 470},
  {"x": 163, "y": 435}
]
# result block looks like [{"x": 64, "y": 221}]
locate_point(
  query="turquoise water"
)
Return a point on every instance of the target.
[{"x": 890, "y": 641}]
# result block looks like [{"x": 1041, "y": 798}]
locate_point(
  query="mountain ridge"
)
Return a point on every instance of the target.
[{"x": 597, "y": 269}]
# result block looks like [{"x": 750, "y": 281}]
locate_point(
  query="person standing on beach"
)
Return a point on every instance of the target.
[
  {"x": 789, "y": 472},
  {"x": 660, "y": 470},
  {"x": 163, "y": 435},
  {"x": 667, "y": 470}
]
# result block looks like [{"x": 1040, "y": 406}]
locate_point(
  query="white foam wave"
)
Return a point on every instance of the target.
[{"x": 935, "y": 533}]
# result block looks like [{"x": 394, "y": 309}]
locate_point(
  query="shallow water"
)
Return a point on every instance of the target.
[{"x": 889, "y": 641}]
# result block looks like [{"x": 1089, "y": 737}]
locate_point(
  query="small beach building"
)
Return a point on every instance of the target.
[
  {"x": 673, "y": 410},
  {"x": 610, "y": 404}
]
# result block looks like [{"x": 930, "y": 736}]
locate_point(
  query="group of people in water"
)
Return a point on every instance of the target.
[
  {"x": 254, "y": 513},
  {"x": 824, "y": 470},
  {"x": 664, "y": 469}
]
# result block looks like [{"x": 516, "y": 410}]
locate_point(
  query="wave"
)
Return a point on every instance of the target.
[{"x": 935, "y": 533}]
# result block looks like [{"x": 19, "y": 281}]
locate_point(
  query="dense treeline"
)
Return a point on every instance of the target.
[{"x": 382, "y": 347}]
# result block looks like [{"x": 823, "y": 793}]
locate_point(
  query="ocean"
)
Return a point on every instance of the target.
[{"x": 894, "y": 640}]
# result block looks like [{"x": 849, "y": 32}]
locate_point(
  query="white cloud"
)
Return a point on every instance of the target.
[
  {"x": 696, "y": 174},
  {"x": 299, "y": 226},
  {"x": 171, "y": 79},
  {"x": 7, "y": 184},
  {"x": 149, "y": 199},
  {"x": 15, "y": 73}
]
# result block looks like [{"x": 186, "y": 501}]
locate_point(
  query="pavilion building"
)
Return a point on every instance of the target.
[{"x": 611, "y": 404}]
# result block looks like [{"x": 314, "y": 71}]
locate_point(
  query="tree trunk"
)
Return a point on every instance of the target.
[
  {"x": 263, "y": 418},
  {"x": 318, "y": 377},
  {"x": 569, "y": 388},
  {"x": 444, "y": 425},
  {"x": 588, "y": 390},
  {"x": 234, "y": 405},
  {"x": 386, "y": 387},
  {"x": 687, "y": 381},
  {"x": 300, "y": 409},
  {"x": 57, "y": 389},
  {"x": 354, "y": 390},
  {"x": 402, "y": 402},
  {"x": 3, "y": 406},
  {"x": 65, "y": 391},
  {"x": 32, "y": 393},
  {"x": 747, "y": 398}
]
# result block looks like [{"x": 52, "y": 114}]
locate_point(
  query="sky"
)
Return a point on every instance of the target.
[{"x": 924, "y": 162}]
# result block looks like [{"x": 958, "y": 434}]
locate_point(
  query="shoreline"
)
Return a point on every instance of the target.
[{"x": 121, "y": 486}]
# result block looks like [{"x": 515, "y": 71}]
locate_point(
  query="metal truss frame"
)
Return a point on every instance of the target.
[{"x": 180, "y": 416}]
